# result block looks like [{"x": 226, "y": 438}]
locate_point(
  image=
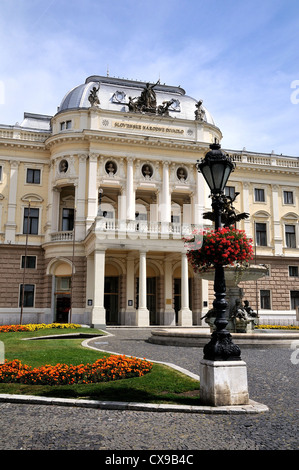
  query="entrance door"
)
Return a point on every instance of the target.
[
  {"x": 63, "y": 305},
  {"x": 62, "y": 297},
  {"x": 151, "y": 299},
  {"x": 111, "y": 300}
]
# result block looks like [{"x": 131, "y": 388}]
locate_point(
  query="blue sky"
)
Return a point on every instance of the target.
[{"x": 240, "y": 57}]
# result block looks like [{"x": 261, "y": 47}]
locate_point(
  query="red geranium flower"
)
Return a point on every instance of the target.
[{"x": 226, "y": 246}]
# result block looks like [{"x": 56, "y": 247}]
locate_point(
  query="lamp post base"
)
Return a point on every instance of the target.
[
  {"x": 221, "y": 347},
  {"x": 223, "y": 383}
]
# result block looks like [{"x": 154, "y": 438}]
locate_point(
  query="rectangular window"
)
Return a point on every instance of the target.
[
  {"x": 0, "y": 173},
  {"x": 293, "y": 271},
  {"x": 28, "y": 295},
  {"x": 290, "y": 236},
  {"x": 65, "y": 125},
  {"x": 261, "y": 234},
  {"x": 265, "y": 299},
  {"x": 229, "y": 191},
  {"x": 259, "y": 195},
  {"x": 67, "y": 220},
  {"x": 288, "y": 197},
  {"x": 30, "y": 224},
  {"x": 30, "y": 262},
  {"x": 33, "y": 176},
  {"x": 294, "y": 299}
]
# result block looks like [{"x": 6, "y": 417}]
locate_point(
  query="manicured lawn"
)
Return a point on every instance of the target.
[{"x": 161, "y": 385}]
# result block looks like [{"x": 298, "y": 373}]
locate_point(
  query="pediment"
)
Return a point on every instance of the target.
[
  {"x": 32, "y": 198},
  {"x": 291, "y": 216},
  {"x": 261, "y": 214}
]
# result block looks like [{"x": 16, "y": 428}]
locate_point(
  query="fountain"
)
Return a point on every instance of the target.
[{"x": 241, "y": 318}]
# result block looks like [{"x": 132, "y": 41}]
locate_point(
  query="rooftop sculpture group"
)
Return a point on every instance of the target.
[{"x": 147, "y": 102}]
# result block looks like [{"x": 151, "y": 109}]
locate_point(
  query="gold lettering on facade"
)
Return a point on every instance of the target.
[{"x": 144, "y": 127}]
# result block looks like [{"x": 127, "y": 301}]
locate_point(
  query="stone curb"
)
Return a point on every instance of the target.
[{"x": 252, "y": 407}]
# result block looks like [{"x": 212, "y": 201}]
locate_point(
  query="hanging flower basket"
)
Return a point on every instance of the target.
[{"x": 226, "y": 246}]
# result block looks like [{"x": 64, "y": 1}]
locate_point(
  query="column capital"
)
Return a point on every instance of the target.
[
  {"x": 93, "y": 157},
  {"x": 14, "y": 163},
  {"x": 82, "y": 157}
]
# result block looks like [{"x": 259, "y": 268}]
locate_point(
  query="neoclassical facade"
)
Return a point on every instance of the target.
[{"x": 95, "y": 202}]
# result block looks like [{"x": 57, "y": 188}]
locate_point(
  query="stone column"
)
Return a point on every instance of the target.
[
  {"x": 142, "y": 316},
  {"x": 247, "y": 223},
  {"x": 55, "y": 209},
  {"x": 122, "y": 215},
  {"x": 48, "y": 226},
  {"x": 169, "y": 312},
  {"x": 98, "y": 310},
  {"x": 165, "y": 205},
  {"x": 92, "y": 198},
  {"x": 10, "y": 226},
  {"x": 130, "y": 191},
  {"x": 80, "y": 198},
  {"x": 199, "y": 200},
  {"x": 130, "y": 312},
  {"x": 185, "y": 314},
  {"x": 278, "y": 241}
]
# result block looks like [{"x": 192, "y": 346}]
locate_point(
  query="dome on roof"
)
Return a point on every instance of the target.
[
  {"x": 77, "y": 97},
  {"x": 114, "y": 94}
]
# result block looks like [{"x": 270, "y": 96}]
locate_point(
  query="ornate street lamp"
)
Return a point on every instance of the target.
[{"x": 216, "y": 168}]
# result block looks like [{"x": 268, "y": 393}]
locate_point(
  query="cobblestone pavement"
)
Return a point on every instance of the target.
[{"x": 272, "y": 379}]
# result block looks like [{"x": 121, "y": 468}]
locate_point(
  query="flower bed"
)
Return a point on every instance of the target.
[
  {"x": 277, "y": 327},
  {"x": 109, "y": 368},
  {"x": 36, "y": 326},
  {"x": 226, "y": 246}
]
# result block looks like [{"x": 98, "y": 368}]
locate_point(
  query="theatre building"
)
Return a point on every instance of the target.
[{"x": 96, "y": 200}]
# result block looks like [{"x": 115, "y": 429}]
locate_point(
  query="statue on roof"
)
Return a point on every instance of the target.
[
  {"x": 163, "y": 108},
  {"x": 199, "y": 112},
  {"x": 93, "y": 96},
  {"x": 148, "y": 97},
  {"x": 146, "y": 102}
]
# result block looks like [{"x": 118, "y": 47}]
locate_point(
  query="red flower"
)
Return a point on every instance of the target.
[{"x": 226, "y": 246}]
